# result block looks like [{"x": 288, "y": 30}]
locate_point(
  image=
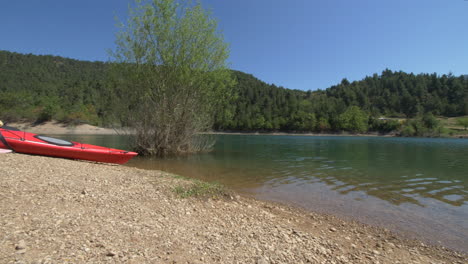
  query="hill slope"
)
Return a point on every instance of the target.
[
  {"x": 261, "y": 106},
  {"x": 44, "y": 87}
]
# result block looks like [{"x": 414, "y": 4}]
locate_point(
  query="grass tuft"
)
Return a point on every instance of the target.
[{"x": 201, "y": 189}]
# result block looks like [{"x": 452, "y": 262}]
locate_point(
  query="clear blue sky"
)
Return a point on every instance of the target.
[{"x": 297, "y": 44}]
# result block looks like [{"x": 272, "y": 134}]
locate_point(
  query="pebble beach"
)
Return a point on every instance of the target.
[{"x": 64, "y": 211}]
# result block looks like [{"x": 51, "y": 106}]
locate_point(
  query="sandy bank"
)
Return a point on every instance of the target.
[
  {"x": 63, "y": 211},
  {"x": 53, "y": 127}
]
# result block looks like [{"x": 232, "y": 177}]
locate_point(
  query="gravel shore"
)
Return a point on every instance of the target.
[{"x": 64, "y": 211}]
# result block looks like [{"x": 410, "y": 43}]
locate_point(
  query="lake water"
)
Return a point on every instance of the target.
[{"x": 415, "y": 185}]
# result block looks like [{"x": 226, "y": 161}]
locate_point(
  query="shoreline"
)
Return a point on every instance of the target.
[
  {"x": 57, "y": 128},
  {"x": 344, "y": 134},
  {"x": 61, "y": 210},
  {"x": 302, "y": 134}
]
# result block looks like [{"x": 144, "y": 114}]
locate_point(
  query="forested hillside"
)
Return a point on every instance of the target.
[
  {"x": 43, "y": 87},
  {"x": 49, "y": 87},
  {"x": 260, "y": 106}
]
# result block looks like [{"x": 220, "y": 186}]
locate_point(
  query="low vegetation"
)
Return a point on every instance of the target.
[
  {"x": 423, "y": 126},
  {"x": 463, "y": 122},
  {"x": 200, "y": 189}
]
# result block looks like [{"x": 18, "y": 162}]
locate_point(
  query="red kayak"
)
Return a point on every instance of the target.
[{"x": 29, "y": 143}]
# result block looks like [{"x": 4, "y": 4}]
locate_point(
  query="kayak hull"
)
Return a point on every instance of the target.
[{"x": 30, "y": 143}]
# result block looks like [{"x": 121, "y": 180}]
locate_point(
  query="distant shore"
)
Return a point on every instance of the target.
[
  {"x": 344, "y": 134},
  {"x": 55, "y": 211},
  {"x": 54, "y": 127},
  {"x": 303, "y": 134}
]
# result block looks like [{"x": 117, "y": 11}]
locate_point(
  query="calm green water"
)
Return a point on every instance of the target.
[{"x": 416, "y": 185}]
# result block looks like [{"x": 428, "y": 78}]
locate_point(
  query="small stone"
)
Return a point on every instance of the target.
[
  {"x": 21, "y": 245},
  {"x": 333, "y": 229},
  {"x": 110, "y": 254}
]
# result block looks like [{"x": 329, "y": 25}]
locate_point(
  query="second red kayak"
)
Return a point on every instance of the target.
[{"x": 30, "y": 143}]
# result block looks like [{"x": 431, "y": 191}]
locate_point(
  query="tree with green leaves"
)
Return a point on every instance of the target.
[
  {"x": 170, "y": 74},
  {"x": 430, "y": 121},
  {"x": 354, "y": 119}
]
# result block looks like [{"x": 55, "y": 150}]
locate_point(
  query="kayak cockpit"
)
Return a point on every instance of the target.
[{"x": 55, "y": 141}]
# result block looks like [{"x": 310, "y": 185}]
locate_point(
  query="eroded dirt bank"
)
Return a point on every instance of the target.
[{"x": 63, "y": 211}]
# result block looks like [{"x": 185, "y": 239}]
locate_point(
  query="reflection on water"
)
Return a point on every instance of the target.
[
  {"x": 395, "y": 170},
  {"x": 418, "y": 185}
]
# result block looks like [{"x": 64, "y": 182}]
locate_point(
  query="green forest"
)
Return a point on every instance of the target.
[{"x": 38, "y": 88}]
